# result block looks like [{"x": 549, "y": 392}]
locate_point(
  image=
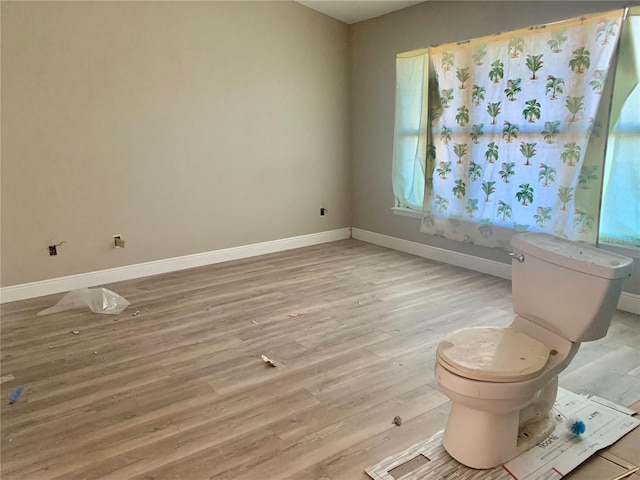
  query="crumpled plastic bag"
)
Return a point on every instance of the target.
[{"x": 99, "y": 300}]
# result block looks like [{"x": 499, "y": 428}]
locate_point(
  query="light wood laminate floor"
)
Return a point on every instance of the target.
[{"x": 179, "y": 390}]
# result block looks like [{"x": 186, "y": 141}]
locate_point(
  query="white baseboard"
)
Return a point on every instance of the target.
[
  {"x": 464, "y": 260},
  {"x": 128, "y": 272},
  {"x": 628, "y": 302}
]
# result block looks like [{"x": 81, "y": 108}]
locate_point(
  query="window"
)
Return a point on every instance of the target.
[
  {"x": 409, "y": 149},
  {"x": 620, "y": 215},
  {"x": 620, "y": 198}
]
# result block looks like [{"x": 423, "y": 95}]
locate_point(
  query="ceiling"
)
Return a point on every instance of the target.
[{"x": 351, "y": 11}]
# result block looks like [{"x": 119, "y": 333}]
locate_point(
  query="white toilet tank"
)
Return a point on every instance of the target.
[{"x": 569, "y": 288}]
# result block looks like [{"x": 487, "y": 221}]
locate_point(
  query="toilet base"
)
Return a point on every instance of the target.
[{"x": 483, "y": 440}]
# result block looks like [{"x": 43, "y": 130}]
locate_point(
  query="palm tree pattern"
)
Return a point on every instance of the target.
[
  {"x": 475, "y": 171},
  {"x": 480, "y": 54},
  {"x": 492, "y": 152},
  {"x": 532, "y": 110},
  {"x": 528, "y": 150},
  {"x": 488, "y": 188},
  {"x": 574, "y": 105},
  {"x": 504, "y": 211},
  {"x": 445, "y": 134},
  {"x": 565, "y": 194},
  {"x": 513, "y": 87},
  {"x": 599, "y": 79},
  {"x": 606, "y": 30},
  {"x": 530, "y": 94},
  {"x": 557, "y": 39},
  {"x": 510, "y": 131},
  {"x": 462, "y": 74},
  {"x": 583, "y": 220},
  {"x": 477, "y": 94},
  {"x": 447, "y": 61},
  {"x": 460, "y": 149},
  {"x": 520, "y": 227},
  {"x": 534, "y": 63},
  {"x": 525, "y": 194},
  {"x": 497, "y": 71},
  {"x": 581, "y": 60},
  {"x": 571, "y": 154},
  {"x": 554, "y": 86},
  {"x": 587, "y": 176},
  {"x": 542, "y": 215},
  {"x": 462, "y": 116},
  {"x": 551, "y": 131},
  {"x": 546, "y": 174},
  {"x": 476, "y": 132},
  {"x": 447, "y": 96},
  {"x": 516, "y": 46},
  {"x": 472, "y": 206},
  {"x": 444, "y": 168},
  {"x": 507, "y": 171},
  {"x": 493, "y": 109},
  {"x": 459, "y": 189}
]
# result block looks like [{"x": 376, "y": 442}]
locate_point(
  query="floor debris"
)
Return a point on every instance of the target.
[
  {"x": 15, "y": 395},
  {"x": 397, "y": 420},
  {"x": 99, "y": 300},
  {"x": 7, "y": 378},
  {"x": 136, "y": 313},
  {"x": 75, "y": 332},
  {"x": 255, "y": 322},
  {"x": 268, "y": 361},
  {"x": 298, "y": 314}
]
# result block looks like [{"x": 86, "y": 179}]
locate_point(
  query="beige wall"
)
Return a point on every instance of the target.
[
  {"x": 374, "y": 46},
  {"x": 188, "y": 127},
  {"x": 183, "y": 126}
]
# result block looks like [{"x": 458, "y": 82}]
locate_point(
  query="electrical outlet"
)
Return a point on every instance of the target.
[
  {"x": 53, "y": 248},
  {"x": 118, "y": 242},
  {"x": 323, "y": 211}
]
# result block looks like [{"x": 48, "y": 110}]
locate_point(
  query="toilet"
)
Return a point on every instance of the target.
[{"x": 503, "y": 382}]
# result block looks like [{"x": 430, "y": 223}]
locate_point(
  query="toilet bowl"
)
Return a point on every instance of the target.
[{"x": 503, "y": 382}]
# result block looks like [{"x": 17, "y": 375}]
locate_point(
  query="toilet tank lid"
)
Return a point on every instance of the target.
[{"x": 576, "y": 256}]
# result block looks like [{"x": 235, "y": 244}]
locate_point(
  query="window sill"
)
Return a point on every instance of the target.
[
  {"x": 406, "y": 212},
  {"x": 632, "y": 252}
]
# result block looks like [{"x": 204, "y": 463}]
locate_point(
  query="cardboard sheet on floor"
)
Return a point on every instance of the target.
[{"x": 551, "y": 459}]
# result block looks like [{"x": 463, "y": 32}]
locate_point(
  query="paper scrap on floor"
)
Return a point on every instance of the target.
[{"x": 551, "y": 459}]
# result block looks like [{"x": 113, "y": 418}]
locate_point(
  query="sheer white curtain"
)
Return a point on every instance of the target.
[
  {"x": 620, "y": 218},
  {"x": 410, "y": 135},
  {"x": 512, "y": 141}
]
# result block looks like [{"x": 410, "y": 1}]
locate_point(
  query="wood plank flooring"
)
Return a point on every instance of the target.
[{"x": 175, "y": 387}]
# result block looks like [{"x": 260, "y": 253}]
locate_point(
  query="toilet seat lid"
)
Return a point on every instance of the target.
[{"x": 492, "y": 354}]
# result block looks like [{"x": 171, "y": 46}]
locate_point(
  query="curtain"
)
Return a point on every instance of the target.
[
  {"x": 621, "y": 195},
  {"x": 512, "y": 134},
  {"x": 410, "y": 135}
]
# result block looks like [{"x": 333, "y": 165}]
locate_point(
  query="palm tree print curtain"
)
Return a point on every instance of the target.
[{"x": 510, "y": 146}]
